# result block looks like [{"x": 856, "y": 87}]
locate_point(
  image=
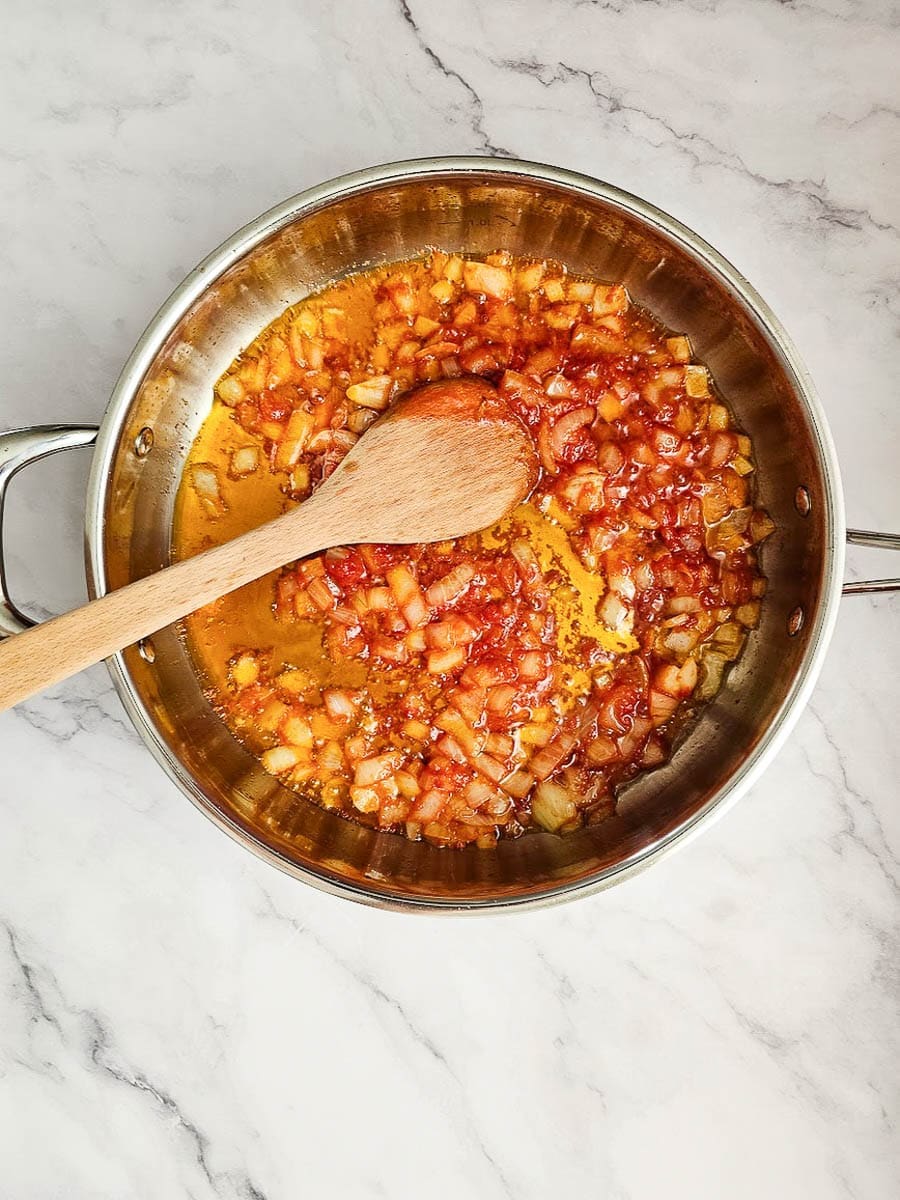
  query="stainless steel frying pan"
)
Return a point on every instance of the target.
[{"x": 473, "y": 205}]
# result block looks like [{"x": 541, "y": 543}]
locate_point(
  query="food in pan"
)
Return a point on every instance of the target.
[{"x": 510, "y": 680}]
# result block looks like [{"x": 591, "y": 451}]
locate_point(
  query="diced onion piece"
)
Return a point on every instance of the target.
[
  {"x": 469, "y": 701},
  {"x": 601, "y": 751},
  {"x": 451, "y": 586},
  {"x": 454, "y": 631},
  {"x": 567, "y": 426},
  {"x": 662, "y": 706},
  {"x": 331, "y": 756},
  {"x": 441, "y": 662},
  {"x": 490, "y": 281},
  {"x": 244, "y": 461},
  {"x": 280, "y": 759},
  {"x": 373, "y": 770},
  {"x": 245, "y": 670},
  {"x": 760, "y": 526},
  {"x": 528, "y": 278},
  {"x": 535, "y": 733},
  {"x": 679, "y": 348},
  {"x": 454, "y": 269},
  {"x": 614, "y": 614},
  {"x": 533, "y": 665},
  {"x": 634, "y": 740},
  {"x": 452, "y": 722},
  {"x": 500, "y": 698},
  {"x": 429, "y": 805},
  {"x": 610, "y": 406},
  {"x": 339, "y": 704},
  {"x": 365, "y": 799},
  {"x": 296, "y": 437},
  {"x": 477, "y": 793},
  {"x": 408, "y": 595},
  {"x": 298, "y": 732},
  {"x": 718, "y": 419},
  {"x": 295, "y": 681},
  {"x": 205, "y": 480},
  {"x": 230, "y": 390},
  {"x": 379, "y": 599},
  {"x": 681, "y": 641},
  {"x": 416, "y": 729},
  {"x": 547, "y": 760},
  {"x": 683, "y": 604},
  {"x": 519, "y": 784},
  {"x": 676, "y": 681},
  {"x": 321, "y": 594},
  {"x": 371, "y": 393},
  {"x": 721, "y": 449},
  {"x": 526, "y": 560},
  {"x": 609, "y": 299},
  {"x": 748, "y": 614},
  {"x": 389, "y": 649},
  {"x": 489, "y": 766},
  {"x": 500, "y": 745},
  {"x": 324, "y": 728},
  {"x": 712, "y": 668},
  {"x": 696, "y": 381},
  {"x": 552, "y": 806},
  {"x": 522, "y": 388},
  {"x": 360, "y": 419}
]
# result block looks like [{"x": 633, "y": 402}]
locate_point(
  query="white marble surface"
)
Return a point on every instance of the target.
[{"x": 180, "y": 1020}]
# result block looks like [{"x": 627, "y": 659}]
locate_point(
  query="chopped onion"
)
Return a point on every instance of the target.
[
  {"x": 339, "y": 704},
  {"x": 454, "y": 631},
  {"x": 244, "y": 461},
  {"x": 490, "y": 281},
  {"x": 297, "y": 434},
  {"x": 429, "y": 805},
  {"x": 245, "y": 670},
  {"x": 450, "y": 587},
  {"x": 679, "y": 348},
  {"x": 601, "y": 751},
  {"x": 280, "y": 759},
  {"x": 205, "y": 480},
  {"x": 568, "y": 425},
  {"x": 365, "y": 799},
  {"x": 442, "y": 662},
  {"x": 552, "y": 806},
  {"x": 549, "y": 758},
  {"x": 519, "y": 784},
  {"x": 371, "y": 393},
  {"x": 696, "y": 381},
  {"x": 489, "y": 766},
  {"x": 373, "y": 770}
]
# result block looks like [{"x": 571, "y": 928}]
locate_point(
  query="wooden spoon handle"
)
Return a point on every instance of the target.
[{"x": 63, "y": 646}]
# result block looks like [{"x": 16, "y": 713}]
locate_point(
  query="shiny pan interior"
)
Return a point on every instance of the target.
[{"x": 472, "y": 206}]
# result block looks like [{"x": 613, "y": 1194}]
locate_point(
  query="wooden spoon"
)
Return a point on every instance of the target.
[{"x": 448, "y": 459}]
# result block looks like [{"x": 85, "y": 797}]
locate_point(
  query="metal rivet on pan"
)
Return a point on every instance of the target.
[
  {"x": 802, "y": 502},
  {"x": 143, "y": 443},
  {"x": 147, "y": 650},
  {"x": 795, "y": 622}
]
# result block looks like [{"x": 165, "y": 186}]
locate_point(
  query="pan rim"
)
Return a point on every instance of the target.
[{"x": 268, "y": 223}]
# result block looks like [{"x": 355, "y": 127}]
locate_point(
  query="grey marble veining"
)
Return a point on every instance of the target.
[{"x": 179, "y": 1020}]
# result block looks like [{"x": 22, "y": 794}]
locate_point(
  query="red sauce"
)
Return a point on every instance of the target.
[{"x": 465, "y": 690}]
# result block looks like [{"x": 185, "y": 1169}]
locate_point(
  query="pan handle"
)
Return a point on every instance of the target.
[
  {"x": 880, "y": 541},
  {"x": 18, "y": 448}
]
